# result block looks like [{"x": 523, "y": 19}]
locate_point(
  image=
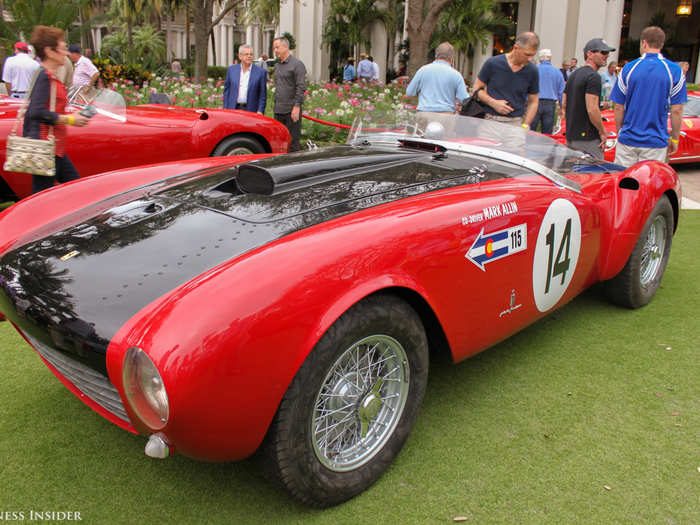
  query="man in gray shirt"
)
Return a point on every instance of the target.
[{"x": 290, "y": 84}]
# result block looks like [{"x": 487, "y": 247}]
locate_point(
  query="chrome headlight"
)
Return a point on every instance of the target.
[{"x": 144, "y": 388}]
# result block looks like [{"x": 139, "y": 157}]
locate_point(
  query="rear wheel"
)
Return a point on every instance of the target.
[
  {"x": 352, "y": 403},
  {"x": 237, "y": 146},
  {"x": 638, "y": 281}
]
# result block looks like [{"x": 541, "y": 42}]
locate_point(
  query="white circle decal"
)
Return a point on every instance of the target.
[{"x": 556, "y": 253}]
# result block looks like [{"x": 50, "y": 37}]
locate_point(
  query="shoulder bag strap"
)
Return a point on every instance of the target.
[
  {"x": 25, "y": 104},
  {"x": 20, "y": 113}
]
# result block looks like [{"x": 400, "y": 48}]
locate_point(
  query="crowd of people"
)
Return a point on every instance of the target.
[
  {"x": 509, "y": 88},
  {"x": 513, "y": 90},
  {"x": 245, "y": 87}
]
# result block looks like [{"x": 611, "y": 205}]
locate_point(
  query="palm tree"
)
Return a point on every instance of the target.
[
  {"x": 468, "y": 23},
  {"x": 204, "y": 21},
  {"x": 26, "y": 14},
  {"x": 263, "y": 11},
  {"x": 347, "y": 24},
  {"x": 422, "y": 18}
]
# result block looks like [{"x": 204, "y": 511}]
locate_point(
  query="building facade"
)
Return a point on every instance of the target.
[{"x": 564, "y": 26}]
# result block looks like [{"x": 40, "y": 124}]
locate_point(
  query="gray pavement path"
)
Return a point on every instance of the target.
[{"x": 690, "y": 184}]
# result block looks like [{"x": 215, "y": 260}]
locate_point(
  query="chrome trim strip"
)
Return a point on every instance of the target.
[
  {"x": 496, "y": 154},
  {"x": 510, "y": 158},
  {"x": 90, "y": 382}
]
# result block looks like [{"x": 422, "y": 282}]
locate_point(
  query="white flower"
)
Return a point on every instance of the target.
[{"x": 340, "y": 112}]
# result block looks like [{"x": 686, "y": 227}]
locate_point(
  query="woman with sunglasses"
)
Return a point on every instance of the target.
[{"x": 51, "y": 48}]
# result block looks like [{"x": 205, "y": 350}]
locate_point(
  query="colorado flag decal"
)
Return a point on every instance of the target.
[{"x": 489, "y": 247}]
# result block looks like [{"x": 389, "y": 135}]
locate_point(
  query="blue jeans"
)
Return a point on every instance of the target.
[
  {"x": 545, "y": 113},
  {"x": 65, "y": 172}
]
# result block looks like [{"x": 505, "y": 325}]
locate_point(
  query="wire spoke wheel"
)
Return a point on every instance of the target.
[
  {"x": 351, "y": 404},
  {"x": 653, "y": 251},
  {"x": 360, "y": 402},
  {"x": 641, "y": 276}
]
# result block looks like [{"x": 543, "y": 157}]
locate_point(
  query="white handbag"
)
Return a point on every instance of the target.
[{"x": 27, "y": 155}]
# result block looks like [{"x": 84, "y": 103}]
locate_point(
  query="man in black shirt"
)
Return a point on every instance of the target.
[
  {"x": 290, "y": 85},
  {"x": 584, "y": 124}
]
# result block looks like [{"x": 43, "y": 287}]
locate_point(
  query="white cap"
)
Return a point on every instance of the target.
[{"x": 545, "y": 53}]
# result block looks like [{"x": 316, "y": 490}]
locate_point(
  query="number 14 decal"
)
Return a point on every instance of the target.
[
  {"x": 561, "y": 266},
  {"x": 556, "y": 253}
]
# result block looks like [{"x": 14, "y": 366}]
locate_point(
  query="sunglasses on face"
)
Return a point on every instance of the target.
[{"x": 603, "y": 52}]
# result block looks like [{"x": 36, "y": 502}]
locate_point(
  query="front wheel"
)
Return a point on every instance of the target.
[
  {"x": 638, "y": 281},
  {"x": 237, "y": 146},
  {"x": 352, "y": 404}
]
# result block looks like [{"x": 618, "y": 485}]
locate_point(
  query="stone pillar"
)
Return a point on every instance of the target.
[
  {"x": 550, "y": 26},
  {"x": 613, "y": 25},
  {"x": 379, "y": 44},
  {"x": 480, "y": 57}
]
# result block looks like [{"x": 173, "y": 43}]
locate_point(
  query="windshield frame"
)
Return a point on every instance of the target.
[{"x": 424, "y": 129}]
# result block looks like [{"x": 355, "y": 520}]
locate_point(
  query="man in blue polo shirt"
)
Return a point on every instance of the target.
[
  {"x": 438, "y": 85},
  {"x": 551, "y": 90},
  {"x": 644, "y": 90}
]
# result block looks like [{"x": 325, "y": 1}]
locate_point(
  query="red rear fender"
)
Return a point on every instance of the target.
[{"x": 634, "y": 195}]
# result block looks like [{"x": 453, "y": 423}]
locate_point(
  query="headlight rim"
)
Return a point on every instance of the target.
[{"x": 137, "y": 365}]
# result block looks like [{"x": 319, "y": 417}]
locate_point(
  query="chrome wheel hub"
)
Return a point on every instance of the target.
[
  {"x": 239, "y": 151},
  {"x": 360, "y": 403},
  {"x": 653, "y": 251}
]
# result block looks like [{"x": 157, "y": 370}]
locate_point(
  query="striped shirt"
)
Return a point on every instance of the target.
[{"x": 647, "y": 87}]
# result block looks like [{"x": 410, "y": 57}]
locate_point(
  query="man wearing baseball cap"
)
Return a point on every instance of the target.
[
  {"x": 584, "y": 123},
  {"x": 18, "y": 71},
  {"x": 646, "y": 90},
  {"x": 85, "y": 72}
]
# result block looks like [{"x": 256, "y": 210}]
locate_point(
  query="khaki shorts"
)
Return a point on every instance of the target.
[
  {"x": 629, "y": 155},
  {"x": 515, "y": 121}
]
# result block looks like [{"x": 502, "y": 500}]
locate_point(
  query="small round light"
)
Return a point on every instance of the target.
[{"x": 144, "y": 389}]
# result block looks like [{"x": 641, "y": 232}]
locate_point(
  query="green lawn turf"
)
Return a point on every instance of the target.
[{"x": 590, "y": 416}]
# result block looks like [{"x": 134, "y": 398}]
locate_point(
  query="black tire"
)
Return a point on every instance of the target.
[
  {"x": 237, "y": 145},
  {"x": 6, "y": 193},
  {"x": 638, "y": 281},
  {"x": 295, "y": 453}
]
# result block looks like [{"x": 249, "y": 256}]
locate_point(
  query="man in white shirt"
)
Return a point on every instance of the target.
[
  {"x": 365, "y": 70},
  {"x": 85, "y": 73},
  {"x": 18, "y": 71},
  {"x": 375, "y": 69}
]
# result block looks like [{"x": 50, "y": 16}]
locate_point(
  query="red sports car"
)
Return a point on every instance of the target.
[
  {"x": 152, "y": 133},
  {"x": 290, "y": 303},
  {"x": 688, "y": 144}
]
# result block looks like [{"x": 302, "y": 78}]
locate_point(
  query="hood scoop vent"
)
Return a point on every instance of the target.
[
  {"x": 134, "y": 212},
  {"x": 273, "y": 177}
]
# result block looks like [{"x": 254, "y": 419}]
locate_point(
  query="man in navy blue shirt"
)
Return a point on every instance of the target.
[
  {"x": 511, "y": 83},
  {"x": 551, "y": 89},
  {"x": 646, "y": 89}
]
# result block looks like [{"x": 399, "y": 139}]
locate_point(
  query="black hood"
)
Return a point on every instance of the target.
[{"x": 74, "y": 288}]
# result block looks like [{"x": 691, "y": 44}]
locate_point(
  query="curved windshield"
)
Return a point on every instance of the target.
[
  {"x": 692, "y": 107},
  {"x": 98, "y": 101},
  {"x": 469, "y": 135}
]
